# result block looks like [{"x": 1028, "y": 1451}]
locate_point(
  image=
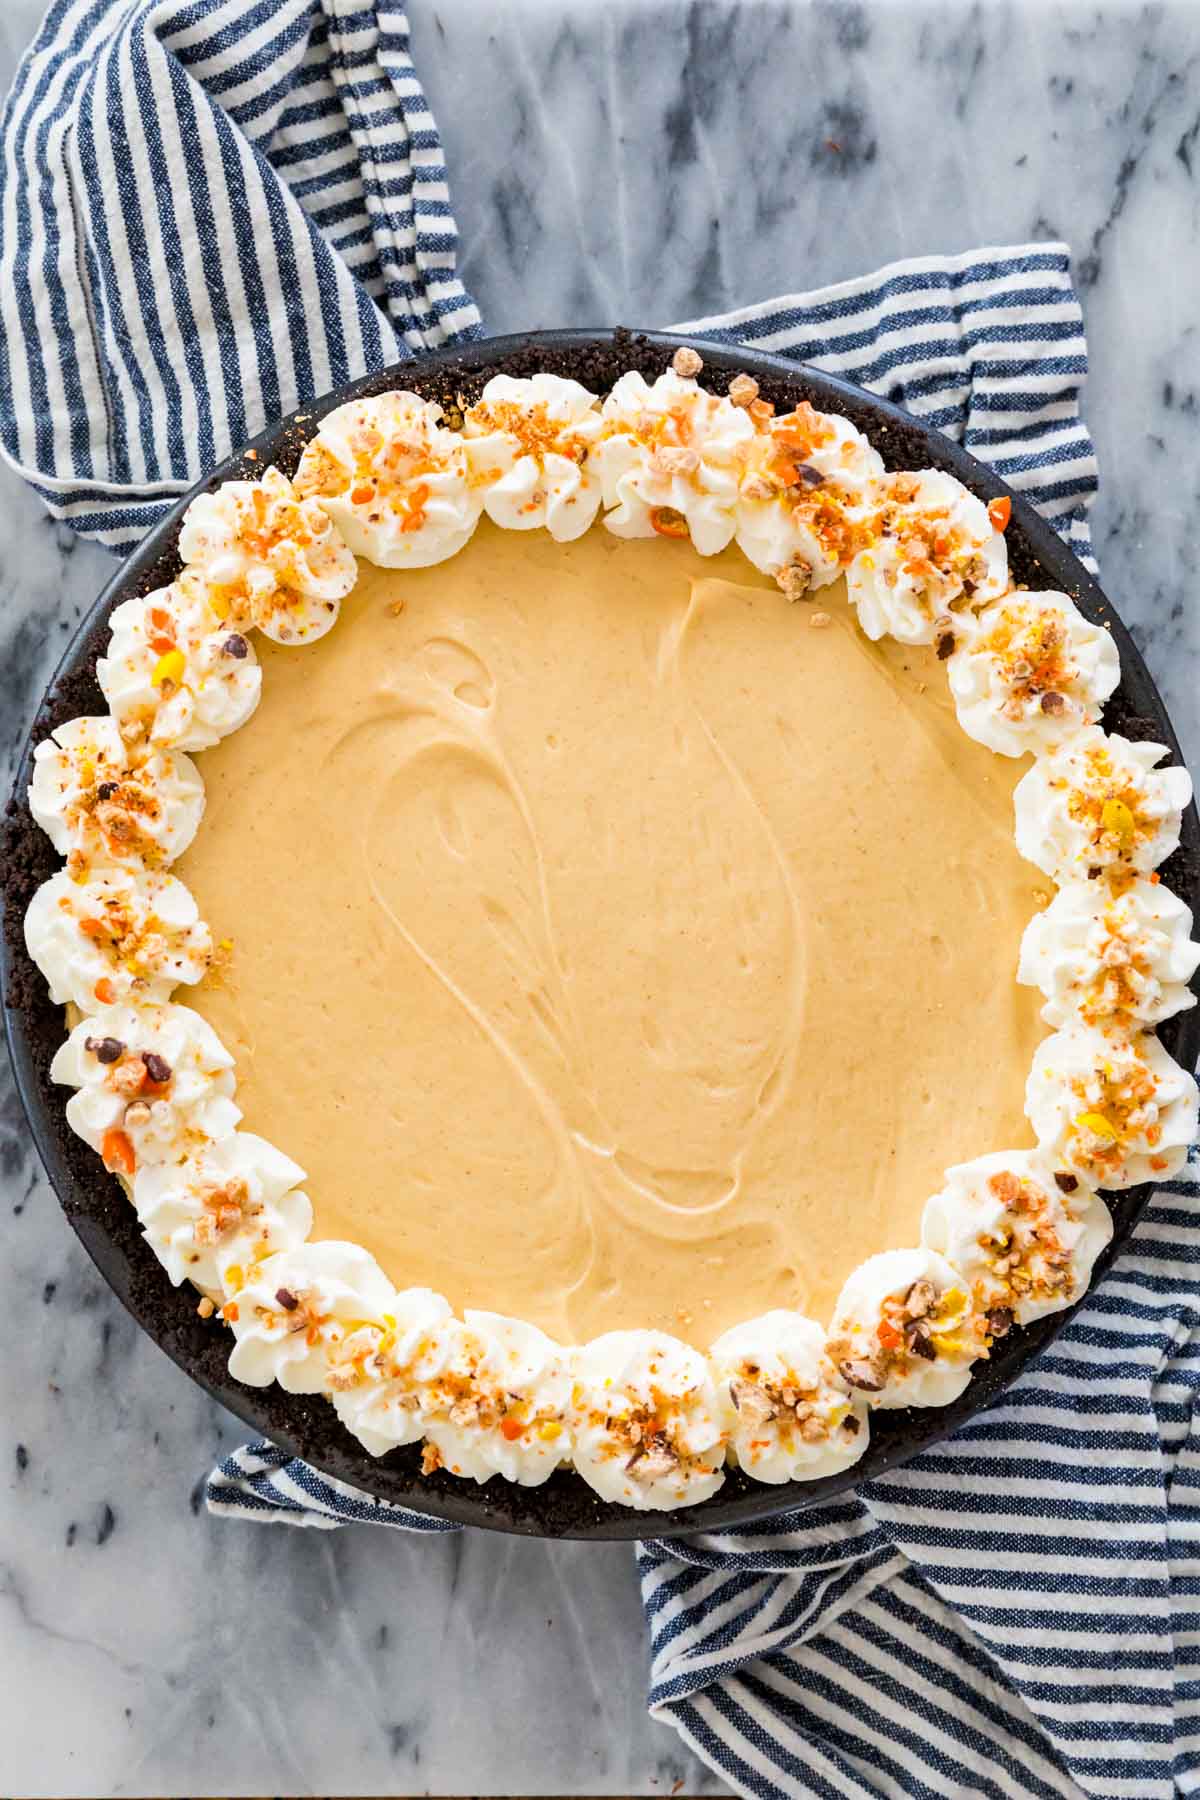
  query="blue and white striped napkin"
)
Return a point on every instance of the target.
[
  {"x": 211, "y": 211},
  {"x": 214, "y": 210}
]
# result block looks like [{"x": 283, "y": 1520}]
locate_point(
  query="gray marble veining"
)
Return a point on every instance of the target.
[{"x": 641, "y": 161}]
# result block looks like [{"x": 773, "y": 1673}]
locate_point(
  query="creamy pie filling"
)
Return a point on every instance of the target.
[{"x": 613, "y": 943}]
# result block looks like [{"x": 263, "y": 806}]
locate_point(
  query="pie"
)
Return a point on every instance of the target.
[{"x": 597, "y": 916}]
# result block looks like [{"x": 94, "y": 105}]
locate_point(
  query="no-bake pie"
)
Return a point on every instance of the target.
[{"x": 623, "y": 1027}]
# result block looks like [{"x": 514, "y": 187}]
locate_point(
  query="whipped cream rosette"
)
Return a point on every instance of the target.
[
  {"x": 381, "y": 1381},
  {"x": 394, "y": 481},
  {"x": 295, "y": 1313},
  {"x": 1105, "y": 956},
  {"x": 115, "y": 933},
  {"x": 1023, "y": 1235},
  {"x": 906, "y": 1329},
  {"x": 1112, "y": 1110},
  {"x": 671, "y": 459},
  {"x": 529, "y": 448},
  {"x": 499, "y": 1405},
  {"x": 1099, "y": 803},
  {"x": 267, "y": 556},
  {"x": 97, "y": 797},
  {"x": 489, "y": 1394},
  {"x": 646, "y": 1421},
  {"x": 788, "y": 1418},
  {"x": 209, "y": 1218},
  {"x": 1031, "y": 673},
  {"x": 935, "y": 552},
  {"x": 806, "y": 499},
  {"x": 153, "y": 1084},
  {"x": 174, "y": 673}
]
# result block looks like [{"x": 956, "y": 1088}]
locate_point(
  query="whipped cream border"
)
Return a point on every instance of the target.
[{"x": 647, "y": 1420}]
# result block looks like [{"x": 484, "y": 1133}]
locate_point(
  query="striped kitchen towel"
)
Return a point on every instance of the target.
[{"x": 210, "y": 212}]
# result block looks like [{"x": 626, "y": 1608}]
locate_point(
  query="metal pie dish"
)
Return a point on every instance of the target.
[{"x": 96, "y": 1205}]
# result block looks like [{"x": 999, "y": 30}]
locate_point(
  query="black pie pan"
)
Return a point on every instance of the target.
[{"x": 96, "y": 1205}]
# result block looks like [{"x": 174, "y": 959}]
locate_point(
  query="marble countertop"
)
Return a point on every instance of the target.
[{"x": 611, "y": 172}]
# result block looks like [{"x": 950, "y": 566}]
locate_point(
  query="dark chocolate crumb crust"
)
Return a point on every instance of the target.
[{"x": 96, "y": 1204}]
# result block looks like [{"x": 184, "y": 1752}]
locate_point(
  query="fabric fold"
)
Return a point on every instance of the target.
[{"x": 209, "y": 213}]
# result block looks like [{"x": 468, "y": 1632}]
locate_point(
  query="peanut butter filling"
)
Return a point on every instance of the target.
[{"x": 613, "y": 944}]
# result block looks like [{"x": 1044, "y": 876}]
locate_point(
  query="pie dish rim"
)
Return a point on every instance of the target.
[{"x": 103, "y": 1218}]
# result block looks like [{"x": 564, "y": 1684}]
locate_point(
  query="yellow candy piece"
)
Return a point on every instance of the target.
[
  {"x": 1116, "y": 817},
  {"x": 951, "y": 1308},
  {"x": 235, "y": 1278},
  {"x": 1098, "y": 1125},
  {"x": 548, "y": 1430},
  {"x": 169, "y": 667}
]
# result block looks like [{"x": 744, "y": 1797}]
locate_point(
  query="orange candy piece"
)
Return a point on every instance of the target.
[
  {"x": 117, "y": 1152},
  {"x": 668, "y": 522}
]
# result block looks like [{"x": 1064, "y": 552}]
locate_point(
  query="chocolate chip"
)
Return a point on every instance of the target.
[
  {"x": 1066, "y": 1184},
  {"x": 1053, "y": 703},
  {"x": 157, "y": 1067},
  {"x": 106, "y": 790},
  {"x": 105, "y": 1050},
  {"x": 286, "y": 1299},
  {"x": 1095, "y": 873},
  {"x": 858, "y": 1373},
  {"x": 943, "y": 643},
  {"x": 850, "y": 1425},
  {"x": 1000, "y": 1320},
  {"x": 920, "y": 1299},
  {"x": 236, "y": 646},
  {"x": 919, "y": 1342},
  {"x": 809, "y": 476}
]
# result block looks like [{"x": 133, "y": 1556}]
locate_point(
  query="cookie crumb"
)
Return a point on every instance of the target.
[
  {"x": 793, "y": 581},
  {"x": 819, "y": 621}
]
